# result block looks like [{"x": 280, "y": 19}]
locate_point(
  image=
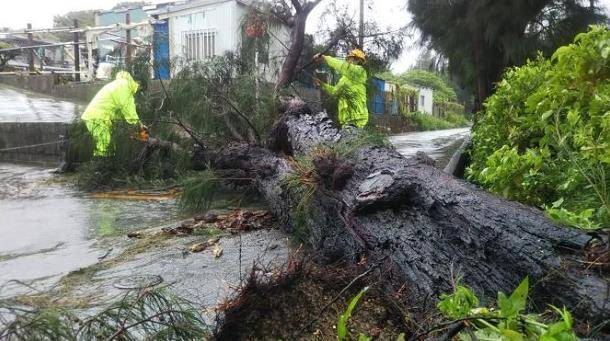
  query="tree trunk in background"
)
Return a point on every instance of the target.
[
  {"x": 297, "y": 43},
  {"x": 419, "y": 227}
]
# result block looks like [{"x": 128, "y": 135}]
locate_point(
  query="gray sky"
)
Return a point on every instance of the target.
[{"x": 387, "y": 13}]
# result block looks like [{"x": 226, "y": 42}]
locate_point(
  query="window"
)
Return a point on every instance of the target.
[
  {"x": 199, "y": 45},
  {"x": 422, "y": 100}
]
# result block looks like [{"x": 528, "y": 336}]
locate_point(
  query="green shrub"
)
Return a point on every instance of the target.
[
  {"x": 544, "y": 138},
  {"x": 423, "y": 121},
  {"x": 508, "y": 321}
]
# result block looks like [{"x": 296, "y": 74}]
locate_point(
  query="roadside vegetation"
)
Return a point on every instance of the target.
[
  {"x": 423, "y": 122},
  {"x": 152, "y": 312},
  {"x": 448, "y": 113},
  {"x": 544, "y": 136}
]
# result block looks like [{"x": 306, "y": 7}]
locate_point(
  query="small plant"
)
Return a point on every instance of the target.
[
  {"x": 345, "y": 316},
  {"x": 507, "y": 321}
]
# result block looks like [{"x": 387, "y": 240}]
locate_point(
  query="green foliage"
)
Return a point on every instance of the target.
[
  {"x": 545, "y": 135},
  {"x": 224, "y": 99},
  {"x": 508, "y": 320},
  {"x": 152, "y": 314},
  {"x": 426, "y": 79},
  {"x": 304, "y": 180},
  {"x": 199, "y": 191},
  {"x": 423, "y": 121},
  {"x": 459, "y": 303},
  {"x": 480, "y": 38},
  {"x": 345, "y": 316}
]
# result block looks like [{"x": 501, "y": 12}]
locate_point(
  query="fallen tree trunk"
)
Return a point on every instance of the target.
[{"x": 421, "y": 227}]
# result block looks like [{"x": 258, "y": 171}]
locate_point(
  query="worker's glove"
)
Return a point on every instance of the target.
[{"x": 318, "y": 57}]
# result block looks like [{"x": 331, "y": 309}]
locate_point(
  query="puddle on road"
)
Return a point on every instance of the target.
[
  {"x": 49, "y": 228},
  {"x": 20, "y": 105}
]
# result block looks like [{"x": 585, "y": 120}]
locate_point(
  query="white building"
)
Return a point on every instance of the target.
[
  {"x": 199, "y": 30},
  {"x": 425, "y": 101}
]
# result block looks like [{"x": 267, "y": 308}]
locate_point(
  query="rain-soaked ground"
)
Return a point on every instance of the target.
[
  {"x": 19, "y": 105},
  {"x": 439, "y": 145},
  {"x": 50, "y": 229}
]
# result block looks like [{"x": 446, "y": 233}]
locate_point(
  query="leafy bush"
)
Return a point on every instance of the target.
[
  {"x": 423, "y": 121},
  {"x": 508, "y": 320},
  {"x": 544, "y": 138}
]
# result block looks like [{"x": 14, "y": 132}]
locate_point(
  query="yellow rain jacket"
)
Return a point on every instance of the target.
[
  {"x": 351, "y": 92},
  {"x": 115, "y": 101}
]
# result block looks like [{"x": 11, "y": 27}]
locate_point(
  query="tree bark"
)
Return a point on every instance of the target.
[
  {"x": 420, "y": 227},
  {"x": 289, "y": 68}
]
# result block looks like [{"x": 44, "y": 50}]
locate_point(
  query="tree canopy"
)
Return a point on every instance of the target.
[
  {"x": 85, "y": 18},
  {"x": 483, "y": 37}
]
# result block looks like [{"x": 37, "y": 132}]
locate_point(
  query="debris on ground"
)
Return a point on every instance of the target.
[
  {"x": 302, "y": 302},
  {"x": 233, "y": 222},
  {"x": 200, "y": 247},
  {"x": 144, "y": 195},
  {"x": 217, "y": 251}
]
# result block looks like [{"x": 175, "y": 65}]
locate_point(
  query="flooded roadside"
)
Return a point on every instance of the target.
[
  {"x": 49, "y": 228},
  {"x": 20, "y": 105}
]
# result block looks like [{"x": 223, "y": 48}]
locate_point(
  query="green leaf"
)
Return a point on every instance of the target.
[
  {"x": 511, "y": 306},
  {"x": 511, "y": 335},
  {"x": 363, "y": 337},
  {"x": 459, "y": 304},
  {"x": 547, "y": 114},
  {"x": 343, "y": 318}
]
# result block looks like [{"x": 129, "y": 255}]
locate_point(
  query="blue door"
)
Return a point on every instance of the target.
[
  {"x": 377, "y": 100},
  {"x": 161, "y": 50}
]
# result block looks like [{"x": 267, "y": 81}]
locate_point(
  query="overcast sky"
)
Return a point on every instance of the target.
[{"x": 387, "y": 13}]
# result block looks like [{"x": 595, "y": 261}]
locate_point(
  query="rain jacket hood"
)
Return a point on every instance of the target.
[{"x": 131, "y": 83}]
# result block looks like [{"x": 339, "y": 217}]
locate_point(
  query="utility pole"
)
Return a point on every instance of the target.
[
  {"x": 31, "y": 49},
  {"x": 128, "y": 40},
  {"x": 76, "y": 54},
  {"x": 361, "y": 31}
]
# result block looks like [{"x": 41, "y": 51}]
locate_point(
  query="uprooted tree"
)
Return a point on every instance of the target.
[{"x": 418, "y": 227}]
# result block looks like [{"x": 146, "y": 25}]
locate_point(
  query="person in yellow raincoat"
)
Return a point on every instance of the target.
[
  {"x": 114, "y": 102},
  {"x": 351, "y": 88}
]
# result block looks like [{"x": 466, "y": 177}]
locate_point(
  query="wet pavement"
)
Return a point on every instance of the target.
[
  {"x": 439, "y": 144},
  {"x": 48, "y": 228},
  {"x": 17, "y": 105}
]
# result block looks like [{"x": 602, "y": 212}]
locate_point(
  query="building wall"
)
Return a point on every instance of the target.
[
  {"x": 425, "y": 101},
  {"x": 218, "y": 18},
  {"x": 225, "y": 20}
]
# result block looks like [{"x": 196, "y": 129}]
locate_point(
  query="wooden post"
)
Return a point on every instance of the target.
[
  {"x": 31, "y": 49},
  {"x": 128, "y": 40},
  {"x": 76, "y": 54},
  {"x": 361, "y": 29}
]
